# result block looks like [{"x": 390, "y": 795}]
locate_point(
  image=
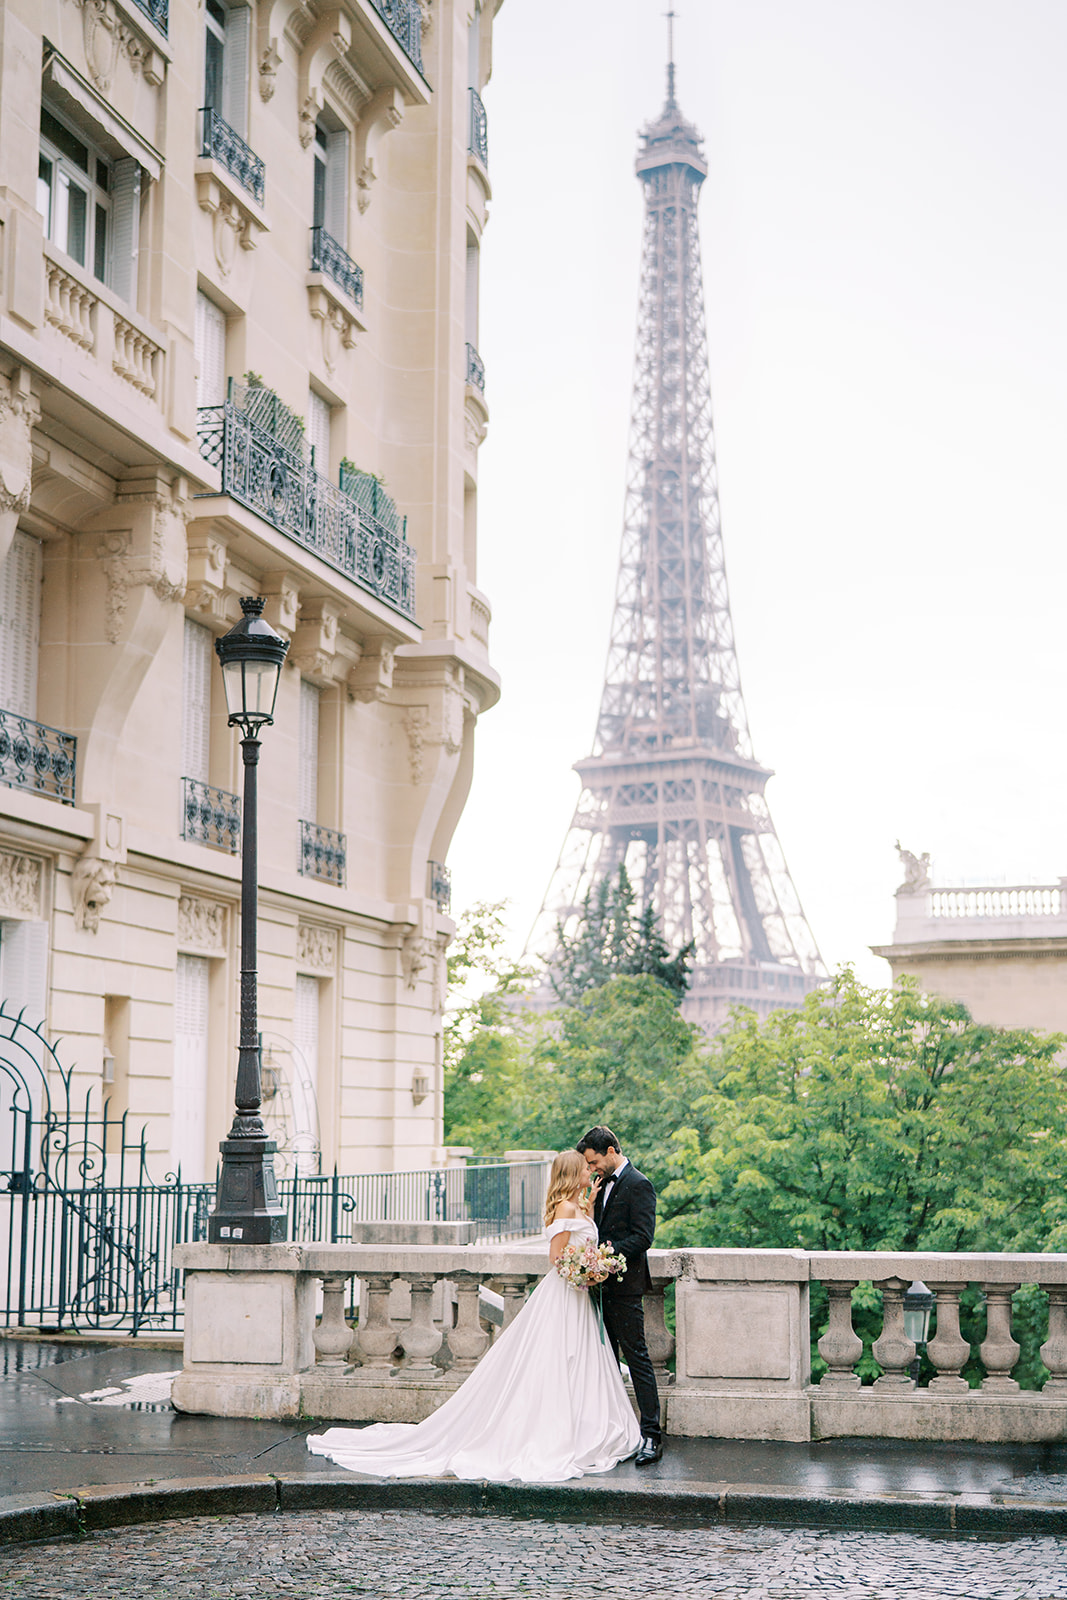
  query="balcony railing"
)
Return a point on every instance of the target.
[
  {"x": 280, "y": 486},
  {"x": 35, "y": 757},
  {"x": 478, "y": 135},
  {"x": 210, "y": 816},
  {"x": 226, "y": 146},
  {"x": 367, "y": 491},
  {"x": 403, "y": 18},
  {"x": 156, "y": 11},
  {"x": 440, "y": 885},
  {"x": 322, "y": 853},
  {"x": 336, "y": 264},
  {"x": 475, "y": 368}
]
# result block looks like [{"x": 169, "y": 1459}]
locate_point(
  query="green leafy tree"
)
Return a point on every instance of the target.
[{"x": 613, "y": 940}]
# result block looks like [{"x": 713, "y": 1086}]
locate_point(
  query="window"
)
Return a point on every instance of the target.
[
  {"x": 305, "y": 1142},
  {"x": 196, "y": 701},
  {"x": 226, "y": 43},
  {"x": 188, "y": 1132},
  {"x": 90, "y": 203},
  {"x": 319, "y": 413},
  {"x": 330, "y": 200},
  {"x": 209, "y": 340},
  {"x": 308, "y": 777},
  {"x": 471, "y": 295},
  {"x": 20, "y": 625},
  {"x": 23, "y": 983}
]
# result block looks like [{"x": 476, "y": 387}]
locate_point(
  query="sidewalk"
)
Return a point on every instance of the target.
[{"x": 94, "y": 1422}]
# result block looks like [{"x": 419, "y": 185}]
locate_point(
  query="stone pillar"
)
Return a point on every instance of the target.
[
  {"x": 840, "y": 1346},
  {"x": 1054, "y": 1350},
  {"x": 333, "y": 1336},
  {"x": 421, "y": 1339},
  {"x": 658, "y": 1337},
  {"x": 468, "y": 1340},
  {"x": 998, "y": 1349},
  {"x": 893, "y": 1350},
  {"x": 377, "y": 1337},
  {"x": 948, "y": 1349}
]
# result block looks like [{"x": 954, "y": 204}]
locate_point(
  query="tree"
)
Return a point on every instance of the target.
[
  {"x": 613, "y": 940},
  {"x": 874, "y": 1120}
]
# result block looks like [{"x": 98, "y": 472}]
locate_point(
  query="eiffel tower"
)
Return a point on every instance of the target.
[{"x": 672, "y": 788}]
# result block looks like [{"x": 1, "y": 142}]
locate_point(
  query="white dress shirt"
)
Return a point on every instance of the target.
[{"x": 611, "y": 1181}]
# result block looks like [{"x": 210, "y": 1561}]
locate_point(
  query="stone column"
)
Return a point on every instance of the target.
[
  {"x": 840, "y": 1346},
  {"x": 333, "y": 1336},
  {"x": 948, "y": 1349},
  {"x": 376, "y": 1339},
  {"x": 658, "y": 1337},
  {"x": 421, "y": 1339},
  {"x": 998, "y": 1349},
  {"x": 1054, "y": 1350},
  {"x": 468, "y": 1340},
  {"x": 513, "y": 1288},
  {"x": 893, "y": 1350}
]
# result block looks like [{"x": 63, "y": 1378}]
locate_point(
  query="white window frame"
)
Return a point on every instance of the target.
[
  {"x": 308, "y": 763},
  {"x": 20, "y": 625},
  {"x": 234, "y": 36},
  {"x": 114, "y": 203},
  {"x": 196, "y": 701},
  {"x": 209, "y": 347},
  {"x": 320, "y": 416}
]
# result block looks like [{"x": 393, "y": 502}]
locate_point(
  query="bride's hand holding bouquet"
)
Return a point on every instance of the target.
[{"x": 584, "y": 1266}]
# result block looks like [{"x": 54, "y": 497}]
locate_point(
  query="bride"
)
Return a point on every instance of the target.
[{"x": 545, "y": 1403}]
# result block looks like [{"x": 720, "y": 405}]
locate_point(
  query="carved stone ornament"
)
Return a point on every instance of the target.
[
  {"x": 152, "y": 552},
  {"x": 416, "y": 722},
  {"x": 202, "y": 923},
  {"x": 92, "y": 884},
  {"x": 337, "y": 325},
  {"x": 19, "y": 411},
  {"x": 372, "y": 677},
  {"x": 316, "y": 948},
  {"x": 21, "y": 878},
  {"x": 383, "y": 113},
  {"x": 415, "y": 955},
  {"x": 269, "y": 62},
  {"x": 109, "y": 38}
]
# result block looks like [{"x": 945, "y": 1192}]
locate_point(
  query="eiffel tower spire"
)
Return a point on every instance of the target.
[{"x": 672, "y": 789}]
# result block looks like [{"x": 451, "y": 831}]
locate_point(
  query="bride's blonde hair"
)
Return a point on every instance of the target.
[{"x": 564, "y": 1181}]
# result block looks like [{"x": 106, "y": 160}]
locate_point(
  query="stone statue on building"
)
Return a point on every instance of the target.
[{"x": 916, "y": 871}]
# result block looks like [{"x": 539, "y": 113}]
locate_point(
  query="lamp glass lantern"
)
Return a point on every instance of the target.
[
  {"x": 918, "y": 1306},
  {"x": 251, "y": 656}
]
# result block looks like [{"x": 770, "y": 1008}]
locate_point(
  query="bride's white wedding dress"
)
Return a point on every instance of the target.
[{"x": 545, "y": 1403}]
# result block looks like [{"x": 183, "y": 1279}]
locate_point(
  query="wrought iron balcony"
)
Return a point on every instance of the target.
[
  {"x": 35, "y": 757},
  {"x": 336, "y": 264},
  {"x": 210, "y": 816},
  {"x": 156, "y": 11},
  {"x": 280, "y": 486},
  {"x": 475, "y": 368},
  {"x": 368, "y": 491},
  {"x": 226, "y": 146},
  {"x": 322, "y": 853},
  {"x": 403, "y": 18},
  {"x": 478, "y": 136},
  {"x": 440, "y": 885}
]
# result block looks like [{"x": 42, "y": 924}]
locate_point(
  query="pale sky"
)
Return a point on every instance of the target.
[{"x": 884, "y": 231}]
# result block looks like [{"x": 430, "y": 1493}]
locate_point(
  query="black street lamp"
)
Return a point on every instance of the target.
[
  {"x": 247, "y": 1210},
  {"x": 918, "y": 1305}
]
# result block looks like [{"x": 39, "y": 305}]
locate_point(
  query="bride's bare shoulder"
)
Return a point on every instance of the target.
[{"x": 565, "y": 1210}]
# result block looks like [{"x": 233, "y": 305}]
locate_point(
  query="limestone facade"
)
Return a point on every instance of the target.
[{"x": 238, "y": 299}]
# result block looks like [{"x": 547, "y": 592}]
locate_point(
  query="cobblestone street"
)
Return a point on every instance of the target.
[{"x": 422, "y": 1557}]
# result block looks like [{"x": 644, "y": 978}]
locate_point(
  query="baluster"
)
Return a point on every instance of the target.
[
  {"x": 512, "y": 1286},
  {"x": 893, "y": 1350},
  {"x": 658, "y": 1337},
  {"x": 840, "y": 1346},
  {"x": 468, "y": 1340},
  {"x": 84, "y": 323},
  {"x": 1054, "y": 1349},
  {"x": 52, "y": 310},
  {"x": 948, "y": 1349},
  {"x": 421, "y": 1339},
  {"x": 998, "y": 1349},
  {"x": 333, "y": 1336},
  {"x": 119, "y": 355},
  {"x": 376, "y": 1337},
  {"x": 65, "y": 319}
]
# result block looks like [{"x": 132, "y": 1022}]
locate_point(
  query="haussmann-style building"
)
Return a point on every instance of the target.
[{"x": 238, "y": 356}]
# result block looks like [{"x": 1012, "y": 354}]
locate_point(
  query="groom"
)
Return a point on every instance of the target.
[{"x": 625, "y": 1215}]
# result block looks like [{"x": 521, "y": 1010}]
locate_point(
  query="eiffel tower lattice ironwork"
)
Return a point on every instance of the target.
[{"x": 672, "y": 789}]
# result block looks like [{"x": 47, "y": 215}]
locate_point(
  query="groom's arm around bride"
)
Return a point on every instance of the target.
[{"x": 625, "y": 1214}]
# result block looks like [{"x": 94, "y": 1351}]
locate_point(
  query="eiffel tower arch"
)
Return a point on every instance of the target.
[{"x": 672, "y": 788}]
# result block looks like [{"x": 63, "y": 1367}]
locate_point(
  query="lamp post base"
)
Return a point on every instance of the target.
[{"x": 247, "y": 1209}]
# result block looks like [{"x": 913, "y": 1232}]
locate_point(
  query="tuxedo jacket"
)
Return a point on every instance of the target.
[{"x": 629, "y": 1221}]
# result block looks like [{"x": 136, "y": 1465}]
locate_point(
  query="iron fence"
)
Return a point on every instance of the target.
[
  {"x": 36, "y": 757},
  {"x": 225, "y": 145},
  {"x": 330, "y": 258},
  {"x": 156, "y": 11},
  {"x": 323, "y": 853},
  {"x": 478, "y": 138},
  {"x": 403, "y": 18},
  {"x": 210, "y": 816},
  {"x": 475, "y": 368}
]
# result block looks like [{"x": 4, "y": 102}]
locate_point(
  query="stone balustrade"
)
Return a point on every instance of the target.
[
  {"x": 255, "y": 1344},
  {"x": 87, "y": 313}
]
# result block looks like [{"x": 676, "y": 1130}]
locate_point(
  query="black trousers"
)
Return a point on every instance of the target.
[{"x": 624, "y": 1320}]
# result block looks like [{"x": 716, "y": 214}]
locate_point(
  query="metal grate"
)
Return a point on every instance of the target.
[
  {"x": 322, "y": 853},
  {"x": 210, "y": 816},
  {"x": 36, "y": 757},
  {"x": 225, "y": 145},
  {"x": 333, "y": 262}
]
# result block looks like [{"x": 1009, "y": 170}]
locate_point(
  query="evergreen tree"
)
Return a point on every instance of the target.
[{"x": 614, "y": 940}]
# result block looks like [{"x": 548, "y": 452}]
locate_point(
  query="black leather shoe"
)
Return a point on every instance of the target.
[{"x": 651, "y": 1450}]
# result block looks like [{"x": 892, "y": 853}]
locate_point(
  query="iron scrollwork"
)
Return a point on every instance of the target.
[
  {"x": 329, "y": 258},
  {"x": 225, "y": 145},
  {"x": 33, "y": 756}
]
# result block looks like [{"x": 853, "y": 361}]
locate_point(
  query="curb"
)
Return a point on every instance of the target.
[{"x": 28, "y": 1517}]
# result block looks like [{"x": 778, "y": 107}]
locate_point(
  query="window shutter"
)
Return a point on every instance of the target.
[
  {"x": 319, "y": 431},
  {"x": 308, "y": 798},
  {"x": 20, "y": 625},
  {"x": 336, "y": 214},
  {"x": 196, "y": 701},
  {"x": 210, "y": 349},
  {"x": 305, "y": 1141},
  {"x": 471, "y": 308},
  {"x": 125, "y": 227},
  {"x": 235, "y": 69},
  {"x": 189, "y": 1082}
]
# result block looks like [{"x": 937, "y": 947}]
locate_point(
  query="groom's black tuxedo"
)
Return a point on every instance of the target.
[{"x": 628, "y": 1219}]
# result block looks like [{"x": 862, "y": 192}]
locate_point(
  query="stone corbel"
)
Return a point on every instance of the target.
[
  {"x": 328, "y": 41},
  {"x": 314, "y": 649},
  {"x": 372, "y": 678},
  {"x": 338, "y": 322},
  {"x": 19, "y": 412},
  {"x": 143, "y": 546},
  {"x": 283, "y": 602},
  {"x": 383, "y": 112},
  {"x": 92, "y": 884},
  {"x": 206, "y": 592},
  {"x": 236, "y": 220}
]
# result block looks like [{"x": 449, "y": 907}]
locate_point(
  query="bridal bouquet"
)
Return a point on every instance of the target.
[{"x": 585, "y": 1265}]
